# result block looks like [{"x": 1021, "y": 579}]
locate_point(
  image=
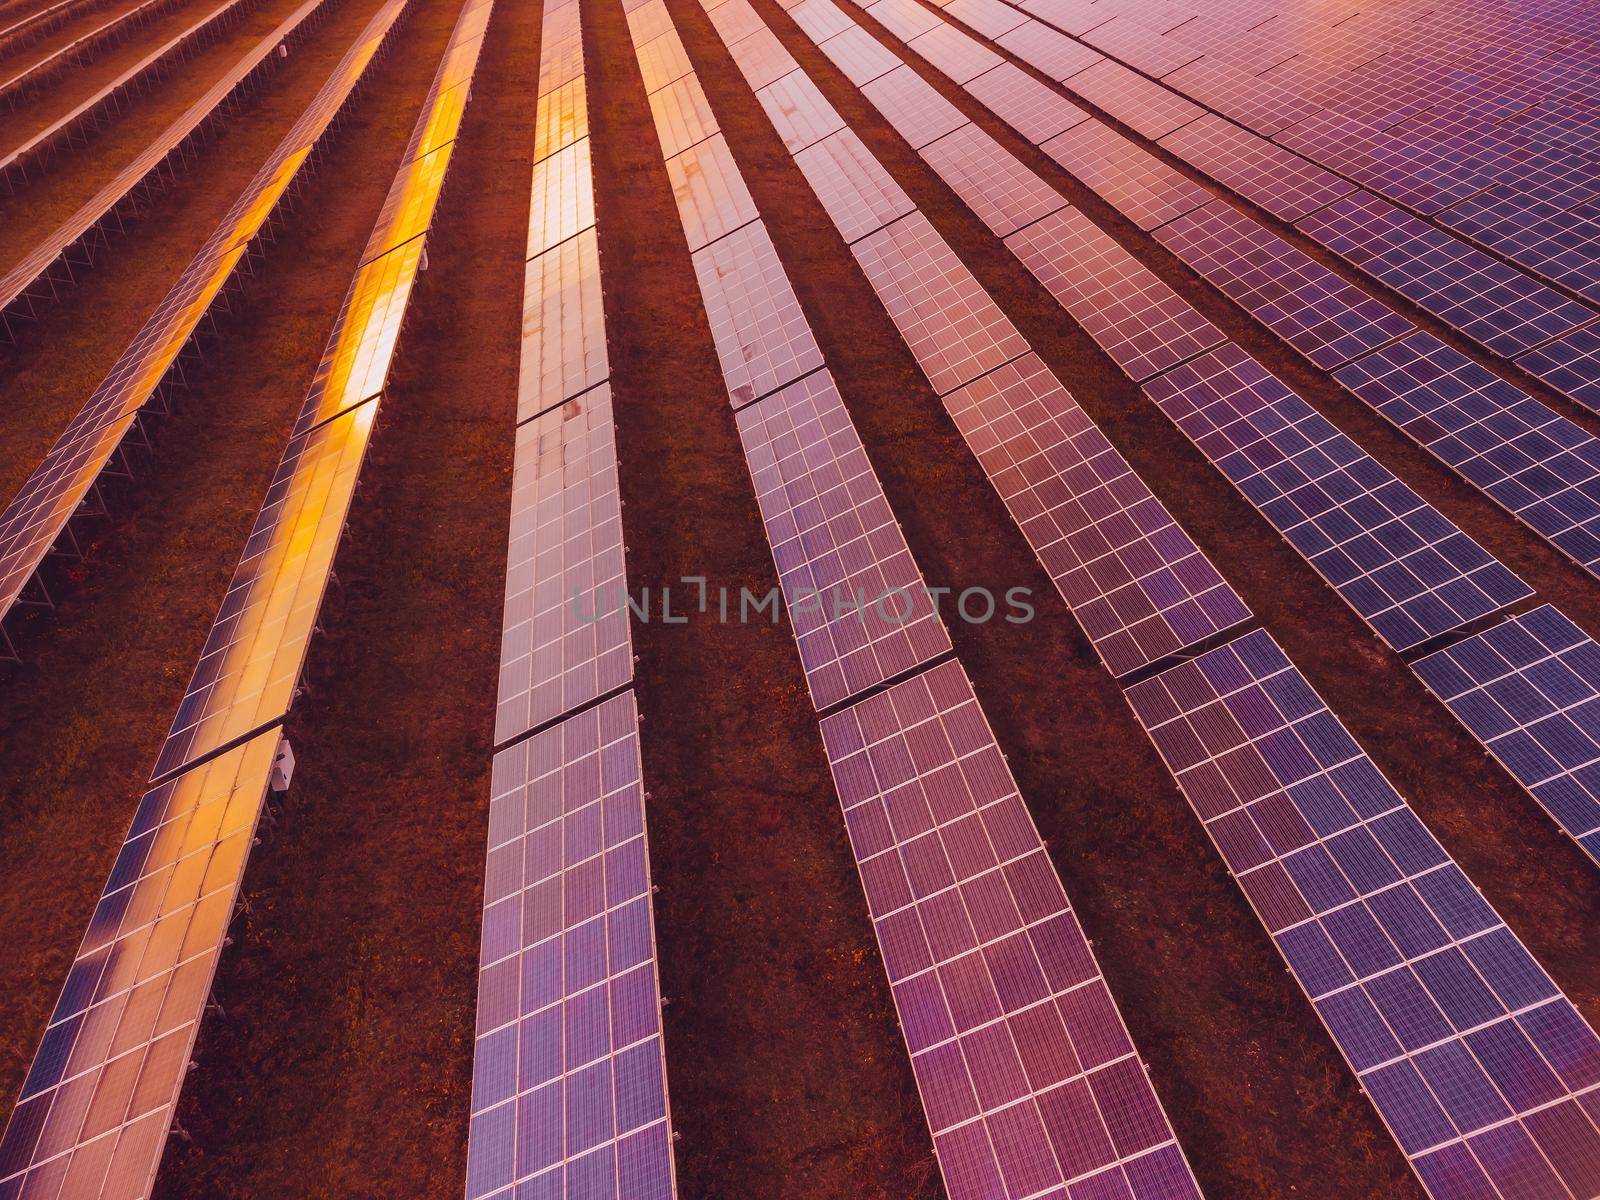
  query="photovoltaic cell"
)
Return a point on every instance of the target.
[
  {"x": 566, "y": 639},
  {"x": 1003, "y": 193},
  {"x": 1474, "y": 1059},
  {"x": 860, "y": 610},
  {"x": 1493, "y": 304},
  {"x": 712, "y": 198},
  {"x": 1137, "y": 584},
  {"x": 1133, "y": 181},
  {"x": 1047, "y": 51},
  {"x": 909, "y": 103},
  {"x": 1024, "y": 103},
  {"x": 859, "y": 55},
  {"x": 663, "y": 59},
  {"x": 906, "y": 19},
  {"x": 1283, "y": 183},
  {"x": 563, "y": 326},
  {"x": 563, "y": 197},
  {"x": 97, "y": 1104},
  {"x": 1137, "y": 319},
  {"x": 955, "y": 54},
  {"x": 1539, "y": 466},
  {"x": 1313, "y": 310},
  {"x": 762, "y": 338},
  {"x": 955, "y": 330},
  {"x": 859, "y": 195},
  {"x": 798, "y": 111},
  {"x": 682, "y": 115},
  {"x": 762, "y": 58},
  {"x": 569, "y": 1094},
  {"x": 1529, "y": 690},
  {"x": 991, "y": 18},
  {"x": 1026, "y": 1072},
  {"x": 1406, "y": 569},
  {"x": 820, "y": 19},
  {"x": 1139, "y": 103},
  {"x": 1570, "y": 364}
]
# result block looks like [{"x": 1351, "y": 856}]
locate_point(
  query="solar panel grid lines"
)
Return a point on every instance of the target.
[
  {"x": 1570, "y": 364},
  {"x": 762, "y": 58},
  {"x": 1136, "y": 583},
  {"x": 1407, "y": 570},
  {"x": 798, "y": 111},
  {"x": 999, "y": 190},
  {"x": 859, "y": 55},
  {"x": 821, "y": 19},
  {"x": 1025, "y": 104},
  {"x": 1139, "y": 103},
  {"x": 1026, "y": 1072},
  {"x": 913, "y": 106},
  {"x": 858, "y": 606},
  {"x": 991, "y": 18},
  {"x": 736, "y": 19},
  {"x": 762, "y": 338},
  {"x": 859, "y": 195},
  {"x": 569, "y": 1091},
  {"x": 563, "y": 326},
  {"x": 1534, "y": 463},
  {"x": 1047, "y": 51},
  {"x": 906, "y": 19},
  {"x": 1141, "y": 323},
  {"x": 1491, "y": 303},
  {"x": 1308, "y": 306},
  {"x": 1281, "y": 182},
  {"x": 98, "y": 1101},
  {"x": 663, "y": 60},
  {"x": 952, "y": 326},
  {"x": 562, "y": 204},
  {"x": 711, "y": 194},
  {"x": 1132, "y": 180},
  {"x": 682, "y": 115},
  {"x": 1527, "y": 690},
  {"x": 954, "y": 54},
  {"x": 1480, "y": 1067}
]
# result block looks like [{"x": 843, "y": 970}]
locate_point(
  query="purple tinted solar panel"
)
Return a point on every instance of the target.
[
  {"x": 1529, "y": 690},
  {"x": 566, "y": 639},
  {"x": 1458, "y": 1036},
  {"x": 1283, "y": 183},
  {"x": 1137, "y": 584},
  {"x": 860, "y": 610},
  {"x": 996, "y": 186},
  {"x": 569, "y": 1092},
  {"x": 1132, "y": 180},
  {"x": 1027, "y": 1075},
  {"x": 1047, "y": 51},
  {"x": 1537, "y": 465},
  {"x": 1137, "y": 319},
  {"x": 1570, "y": 364},
  {"x": 1025, "y": 104},
  {"x": 1406, "y": 569},
  {"x": 1308, "y": 306},
  {"x": 1493, "y": 304},
  {"x": 1139, "y": 103},
  {"x": 953, "y": 327}
]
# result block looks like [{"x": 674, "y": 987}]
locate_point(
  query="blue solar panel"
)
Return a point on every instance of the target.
[
  {"x": 1537, "y": 465},
  {"x": 1406, "y": 569},
  {"x": 1476, "y": 1061},
  {"x": 1529, "y": 690}
]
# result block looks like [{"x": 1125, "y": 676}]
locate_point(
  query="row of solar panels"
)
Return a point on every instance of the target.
[
  {"x": 19, "y": 32},
  {"x": 47, "y": 265},
  {"x": 1404, "y": 567},
  {"x": 34, "y": 522},
  {"x": 99, "y": 1099},
  {"x": 1376, "y": 921},
  {"x": 569, "y": 1089},
  {"x": 27, "y": 79}
]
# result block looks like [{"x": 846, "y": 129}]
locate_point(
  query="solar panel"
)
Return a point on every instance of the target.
[
  {"x": 569, "y": 1091},
  {"x": 562, "y": 118},
  {"x": 1125, "y": 37},
  {"x": 909, "y": 103},
  {"x": 1253, "y": 102},
  {"x": 762, "y": 58},
  {"x": 563, "y": 326},
  {"x": 735, "y": 19},
  {"x": 955, "y": 54},
  {"x": 648, "y": 21},
  {"x": 859, "y": 608},
  {"x": 1027, "y": 1075},
  {"x": 566, "y": 638},
  {"x": 1047, "y": 51},
  {"x": 991, "y": 18},
  {"x": 1539, "y": 466},
  {"x": 98, "y": 1102},
  {"x": 663, "y": 60},
  {"x": 1137, "y": 584},
  {"x": 798, "y": 111},
  {"x": 1313, "y": 310},
  {"x": 711, "y": 195},
  {"x": 954, "y": 329},
  {"x": 1133, "y": 181},
  {"x": 762, "y": 339},
  {"x": 1003, "y": 193},
  {"x": 682, "y": 115},
  {"x": 560, "y": 48},
  {"x": 820, "y": 19},
  {"x": 1474, "y": 1059},
  {"x": 1570, "y": 364},
  {"x": 1137, "y": 319},
  {"x": 1139, "y": 103},
  {"x": 906, "y": 19},
  {"x": 1286, "y": 185},
  {"x": 1406, "y": 569},
  {"x": 1493, "y": 304},
  {"x": 1527, "y": 690},
  {"x": 563, "y": 197},
  {"x": 1025, "y": 104},
  {"x": 859, "y": 55},
  {"x": 858, "y": 194}
]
